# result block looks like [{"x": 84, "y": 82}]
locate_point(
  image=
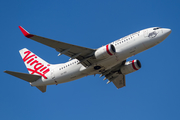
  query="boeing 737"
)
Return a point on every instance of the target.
[{"x": 108, "y": 61}]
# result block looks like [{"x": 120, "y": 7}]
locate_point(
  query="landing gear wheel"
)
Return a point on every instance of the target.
[{"x": 97, "y": 67}]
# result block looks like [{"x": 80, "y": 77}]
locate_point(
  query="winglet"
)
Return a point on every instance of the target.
[{"x": 25, "y": 33}]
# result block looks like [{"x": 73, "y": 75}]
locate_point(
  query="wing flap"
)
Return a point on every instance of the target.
[
  {"x": 119, "y": 81},
  {"x": 24, "y": 76},
  {"x": 114, "y": 75}
]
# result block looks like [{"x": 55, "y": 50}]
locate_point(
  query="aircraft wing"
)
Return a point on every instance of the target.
[
  {"x": 73, "y": 51},
  {"x": 114, "y": 75},
  {"x": 119, "y": 81}
]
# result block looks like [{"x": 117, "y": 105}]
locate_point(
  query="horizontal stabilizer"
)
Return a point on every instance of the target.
[
  {"x": 42, "y": 88},
  {"x": 24, "y": 76}
]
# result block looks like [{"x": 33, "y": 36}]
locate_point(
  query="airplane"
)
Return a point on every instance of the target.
[{"x": 108, "y": 61}]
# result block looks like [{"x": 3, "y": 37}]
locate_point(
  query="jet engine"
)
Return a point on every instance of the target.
[
  {"x": 105, "y": 51},
  {"x": 130, "y": 66}
]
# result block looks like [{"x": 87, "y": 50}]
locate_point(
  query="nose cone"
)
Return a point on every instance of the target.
[{"x": 166, "y": 32}]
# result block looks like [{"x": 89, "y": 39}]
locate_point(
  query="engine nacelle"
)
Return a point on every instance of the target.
[
  {"x": 130, "y": 66},
  {"x": 105, "y": 51}
]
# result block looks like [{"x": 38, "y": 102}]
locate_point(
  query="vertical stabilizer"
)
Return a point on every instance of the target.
[{"x": 34, "y": 64}]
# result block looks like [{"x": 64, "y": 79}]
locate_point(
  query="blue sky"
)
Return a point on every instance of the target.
[{"x": 150, "y": 93}]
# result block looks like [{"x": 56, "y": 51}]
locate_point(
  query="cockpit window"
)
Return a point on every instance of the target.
[{"x": 156, "y": 28}]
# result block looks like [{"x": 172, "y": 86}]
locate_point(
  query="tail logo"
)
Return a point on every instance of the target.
[{"x": 34, "y": 65}]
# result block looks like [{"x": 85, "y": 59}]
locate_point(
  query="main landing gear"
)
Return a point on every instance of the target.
[{"x": 97, "y": 67}]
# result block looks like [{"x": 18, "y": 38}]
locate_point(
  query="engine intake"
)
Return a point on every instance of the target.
[
  {"x": 130, "y": 66},
  {"x": 105, "y": 51}
]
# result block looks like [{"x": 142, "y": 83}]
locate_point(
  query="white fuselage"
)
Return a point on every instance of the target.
[{"x": 125, "y": 48}]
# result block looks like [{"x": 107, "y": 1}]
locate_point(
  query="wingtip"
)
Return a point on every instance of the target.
[{"x": 25, "y": 33}]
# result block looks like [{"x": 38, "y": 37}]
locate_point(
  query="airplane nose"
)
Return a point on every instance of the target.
[{"x": 166, "y": 31}]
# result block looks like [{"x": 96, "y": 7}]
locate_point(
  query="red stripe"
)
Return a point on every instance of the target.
[
  {"x": 134, "y": 65},
  {"x": 107, "y": 49}
]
